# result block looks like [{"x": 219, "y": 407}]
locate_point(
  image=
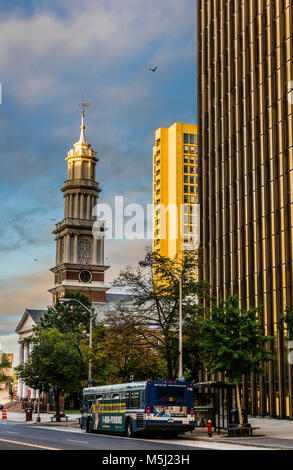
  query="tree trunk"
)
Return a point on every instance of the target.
[
  {"x": 57, "y": 396},
  {"x": 169, "y": 364},
  {"x": 239, "y": 404}
]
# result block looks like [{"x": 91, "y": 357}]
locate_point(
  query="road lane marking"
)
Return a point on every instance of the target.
[
  {"x": 74, "y": 440},
  {"x": 28, "y": 444},
  {"x": 11, "y": 432}
]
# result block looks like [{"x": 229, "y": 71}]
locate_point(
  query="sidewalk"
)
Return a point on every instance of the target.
[
  {"x": 19, "y": 417},
  {"x": 273, "y": 433}
]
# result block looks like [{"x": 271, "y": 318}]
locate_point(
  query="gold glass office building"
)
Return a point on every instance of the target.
[
  {"x": 245, "y": 66},
  {"x": 175, "y": 189}
]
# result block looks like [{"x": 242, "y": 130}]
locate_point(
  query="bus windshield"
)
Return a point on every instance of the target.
[
  {"x": 170, "y": 401},
  {"x": 168, "y": 395}
]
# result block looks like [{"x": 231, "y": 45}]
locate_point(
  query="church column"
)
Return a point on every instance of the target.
[
  {"x": 91, "y": 206},
  {"x": 68, "y": 247},
  {"x": 75, "y": 248},
  {"x": 60, "y": 250},
  {"x": 95, "y": 251},
  {"x": 101, "y": 251},
  {"x": 20, "y": 360},
  {"x": 88, "y": 206},
  {"x": 57, "y": 250},
  {"x": 76, "y": 206},
  {"x": 25, "y": 359},
  {"x": 73, "y": 205},
  {"x": 81, "y": 215},
  {"x": 70, "y": 206},
  {"x": 33, "y": 391},
  {"x": 61, "y": 254},
  {"x": 65, "y": 206}
]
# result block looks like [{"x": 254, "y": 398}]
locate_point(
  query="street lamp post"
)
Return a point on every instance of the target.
[
  {"x": 63, "y": 301},
  {"x": 179, "y": 279}
]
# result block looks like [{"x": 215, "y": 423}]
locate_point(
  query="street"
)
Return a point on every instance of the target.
[{"x": 20, "y": 436}]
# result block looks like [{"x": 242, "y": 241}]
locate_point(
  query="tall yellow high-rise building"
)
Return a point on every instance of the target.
[{"x": 175, "y": 189}]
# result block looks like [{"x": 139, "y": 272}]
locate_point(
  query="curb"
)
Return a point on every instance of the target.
[{"x": 246, "y": 444}]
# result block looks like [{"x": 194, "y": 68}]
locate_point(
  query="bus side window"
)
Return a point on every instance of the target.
[
  {"x": 85, "y": 404},
  {"x": 134, "y": 400},
  {"x": 127, "y": 399},
  {"x": 124, "y": 398},
  {"x": 142, "y": 399},
  {"x": 90, "y": 401}
]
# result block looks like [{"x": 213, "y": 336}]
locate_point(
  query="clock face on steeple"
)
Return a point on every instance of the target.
[{"x": 85, "y": 276}]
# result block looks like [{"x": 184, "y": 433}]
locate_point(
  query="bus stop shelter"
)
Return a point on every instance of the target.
[{"x": 215, "y": 401}]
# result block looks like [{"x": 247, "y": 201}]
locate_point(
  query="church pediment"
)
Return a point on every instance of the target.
[{"x": 29, "y": 319}]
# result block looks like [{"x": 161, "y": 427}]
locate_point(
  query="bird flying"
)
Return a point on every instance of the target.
[{"x": 154, "y": 69}]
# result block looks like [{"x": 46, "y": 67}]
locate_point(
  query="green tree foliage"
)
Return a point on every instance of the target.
[
  {"x": 5, "y": 365},
  {"x": 287, "y": 318},
  {"x": 69, "y": 317},
  {"x": 156, "y": 305},
  {"x": 122, "y": 350},
  {"x": 55, "y": 363},
  {"x": 233, "y": 342}
]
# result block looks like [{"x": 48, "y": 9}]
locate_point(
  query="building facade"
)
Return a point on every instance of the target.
[
  {"x": 245, "y": 73},
  {"x": 24, "y": 329},
  {"x": 175, "y": 189},
  {"x": 79, "y": 254}
]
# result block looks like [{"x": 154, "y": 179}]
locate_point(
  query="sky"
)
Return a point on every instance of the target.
[{"x": 52, "y": 53}]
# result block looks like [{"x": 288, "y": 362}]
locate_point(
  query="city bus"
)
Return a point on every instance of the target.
[{"x": 139, "y": 407}]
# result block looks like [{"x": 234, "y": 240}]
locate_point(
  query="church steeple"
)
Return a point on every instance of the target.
[
  {"x": 82, "y": 128},
  {"x": 77, "y": 251}
]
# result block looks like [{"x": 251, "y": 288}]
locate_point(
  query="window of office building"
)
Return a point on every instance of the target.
[{"x": 186, "y": 140}]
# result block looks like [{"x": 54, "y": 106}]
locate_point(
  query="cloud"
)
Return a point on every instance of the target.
[
  {"x": 9, "y": 345},
  {"x": 51, "y": 53},
  {"x": 40, "y": 50},
  {"x": 120, "y": 253},
  {"x": 17, "y": 293}
]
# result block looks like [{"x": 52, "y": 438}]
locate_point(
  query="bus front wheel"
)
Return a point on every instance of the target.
[
  {"x": 129, "y": 431},
  {"x": 89, "y": 426}
]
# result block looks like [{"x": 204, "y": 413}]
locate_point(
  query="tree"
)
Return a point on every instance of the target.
[
  {"x": 156, "y": 301},
  {"x": 69, "y": 317},
  {"x": 233, "y": 343},
  {"x": 125, "y": 352},
  {"x": 5, "y": 365},
  {"x": 287, "y": 317},
  {"x": 55, "y": 362}
]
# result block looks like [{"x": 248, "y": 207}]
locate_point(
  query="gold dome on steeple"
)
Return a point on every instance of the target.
[{"x": 81, "y": 149}]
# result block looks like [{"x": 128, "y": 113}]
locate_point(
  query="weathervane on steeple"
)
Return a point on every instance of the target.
[{"x": 82, "y": 127}]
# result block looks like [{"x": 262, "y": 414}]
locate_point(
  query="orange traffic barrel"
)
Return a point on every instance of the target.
[{"x": 4, "y": 414}]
